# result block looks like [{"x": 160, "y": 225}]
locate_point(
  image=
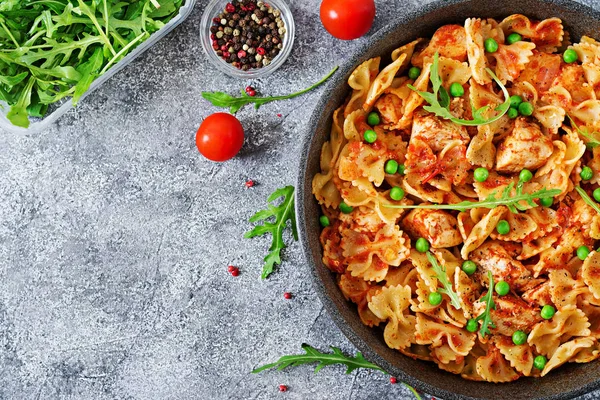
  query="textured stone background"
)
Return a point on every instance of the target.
[{"x": 115, "y": 236}]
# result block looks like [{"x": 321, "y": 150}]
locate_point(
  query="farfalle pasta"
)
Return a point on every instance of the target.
[{"x": 459, "y": 188}]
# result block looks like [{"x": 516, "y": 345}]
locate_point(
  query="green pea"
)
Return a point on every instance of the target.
[
  {"x": 547, "y": 201},
  {"x": 491, "y": 46},
  {"x": 469, "y": 267},
  {"x": 503, "y": 227},
  {"x": 586, "y": 173},
  {"x": 547, "y": 311},
  {"x": 481, "y": 174},
  {"x": 435, "y": 298},
  {"x": 515, "y": 100},
  {"x": 373, "y": 119},
  {"x": 401, "y": 169},
  {"x": 583, "y": 252},
  {"x": 422, "y": 245},
  {"x": 512, "y": 113},
  {"x": 525, "y": 175},
  {"x": 370, "y": 136},
  {"x": 472, "y": 325},
  {"x": 391, "y": 167},
  {"x": 502, "y": 288},
  {"x": 539, "y": 362},
  {"x": 414, "y": 72},
  {"x": 456, "y": 90},
  {"x": 396, "y": 193},
  {"x": 570, "y": 56},
  {"x": 345, "y": 208},
  {"x": 513, "y": 38},
  {"x": 525, "y": 109},
  {"x": 519, "y": 338},
  {"x": 596, "y": 194},
  {"x": 324, "y": 221}
]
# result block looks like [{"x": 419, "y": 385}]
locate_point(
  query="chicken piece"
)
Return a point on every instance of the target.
[
  {"x": 438, "y": 227},
  {"x": 449, "y": 41},
  {"x": 436, "y": 132},
  {"x": 511, "y": 314},
  {"x": 438, "y": 147},
  {"x": 541, "y": 71},
  {"x": 525, "y": 147},
  {"x": 498, "y": 257}
]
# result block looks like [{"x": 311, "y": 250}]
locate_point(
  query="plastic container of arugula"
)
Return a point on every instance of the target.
[{"x": 69, "y": 49}]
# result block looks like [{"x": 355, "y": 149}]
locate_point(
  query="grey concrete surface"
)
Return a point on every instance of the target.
[{"x": 115, "y": 237}]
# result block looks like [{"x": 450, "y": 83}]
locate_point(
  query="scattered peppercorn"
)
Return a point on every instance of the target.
[
  {"x": 279, "y": 115},
  {"x": 248, "y": 34},
  {"x": 234, "y": 271},
  {"x": 287, "y": 295},
  {"x": 250, "y": 183},
  {"x": 250, "y": 91},
  {"x": 283, "y": 388},
  {"x": 393, "y": 380}
]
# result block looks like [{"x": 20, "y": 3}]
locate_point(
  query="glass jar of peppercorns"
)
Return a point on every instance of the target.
[{"x": 247, "y": 38}]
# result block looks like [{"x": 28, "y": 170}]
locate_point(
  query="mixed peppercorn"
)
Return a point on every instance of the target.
[{"x": 248, "y": 34}]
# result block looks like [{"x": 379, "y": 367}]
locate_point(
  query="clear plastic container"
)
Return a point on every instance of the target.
[
  {"x": 217, "y": 6},
  {"x": 57, "y": 110}
]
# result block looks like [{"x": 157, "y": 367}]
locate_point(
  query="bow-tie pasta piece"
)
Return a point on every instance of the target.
[
  {"x": 493, "y": 367},
  {"x": 444, "y": 311},
  {"x": 323, "y": 186},
  {"x": 519, "y": 356},
  {"x": 538, "y": 295},
  {"x": 384, "y": 81},
  {"x": 590, "y": 272},
  {"x": 360, "y": 81},
  {"x": 359, "y": 291},
  {"x": 588, "y": 50},
  {"x": 371, "y": 258},
  {"x": 390, "y": 304},
  {"x": 547, "y": 35},
  {"x": 564, "y": 289},
  {"x": 566, "y": 352},
  {"x": 431, "y": 332},
  {"x": 547, "y": 336}
]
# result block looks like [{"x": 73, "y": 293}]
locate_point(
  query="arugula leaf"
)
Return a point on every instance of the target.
[
  {"x": 224, "y": 100},
  {"x": 440, "y": 274},
  {"x": 439, "y": 101},
  {"x": 18, "y": 113},
  {"x": 282, "y": 213},
  {"x": 593, "y": 141},
  {"x": 313, "y": 355},
  {"x": 89, "y": 70},
  {"x": 587, "y": 199},
  {"x": 489, "y": 306},
  {"x": 512, "y": 203}
]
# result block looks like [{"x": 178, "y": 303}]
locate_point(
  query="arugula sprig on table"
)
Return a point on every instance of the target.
[
  {"x": 513, "y": 203},
  {"x": 221, "y": 99},
  {"x": 439, "y": 100},
  {"x": 281, "y": 214},
  {"x": 485, "y": 317},
  {"x": 440, "y": 274},
  {"x": 50, "y": 50},
  {"x": 322, "y": 359}
]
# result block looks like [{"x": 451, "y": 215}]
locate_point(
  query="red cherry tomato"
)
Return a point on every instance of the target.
[
  {"x": 347, "y": 19},
  {"x": 220, "y": 137}
]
